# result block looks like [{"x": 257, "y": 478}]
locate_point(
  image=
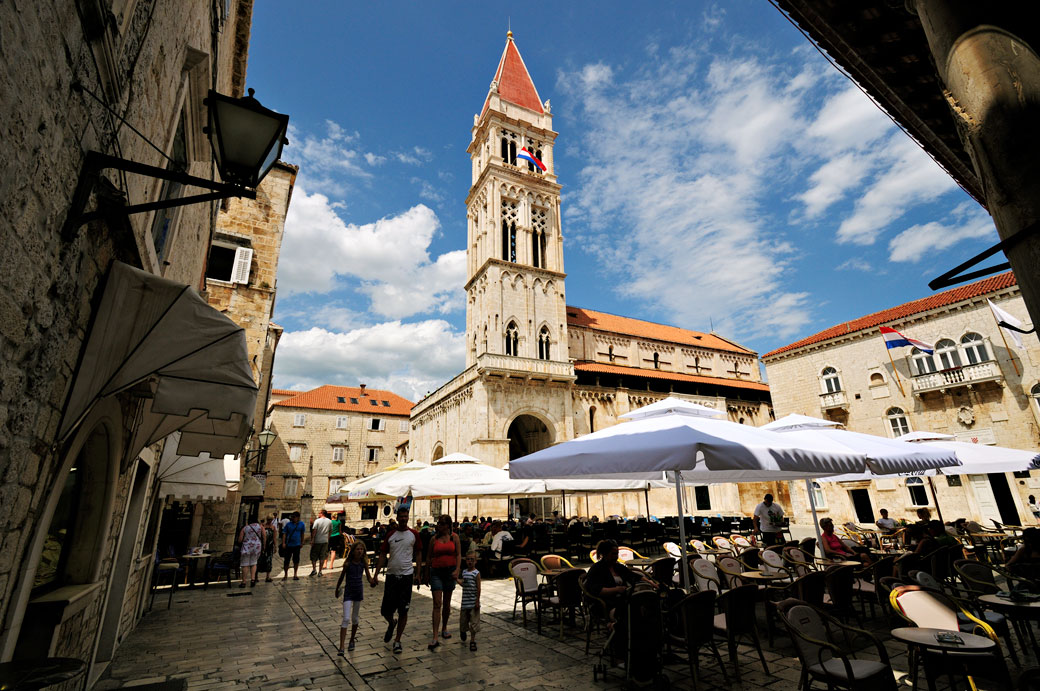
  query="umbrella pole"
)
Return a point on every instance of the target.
[
  {"x": 815, "y": 519},
  {"x": 935, "y": 497},
  {"x": 684, "y": 568},
  {"x": 563, "y": 499},
  {"x": 646, "y": 496},
  {"x": 588, "y": 509},
  {"x": 456, "y": 508},
  {"x": 509, "y": 501}
]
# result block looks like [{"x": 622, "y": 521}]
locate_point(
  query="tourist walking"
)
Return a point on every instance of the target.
[
  {"x": 399, "y": 548},
  {"x": 292, "y": 541},
  {"x": 444, "y": 559},
  {"x": 1034, "y": 507},
  {"x": 251, "y": 539},
  {"x": 270, "y": 540},
  {"x": 336, "y": 542},
  {"x": 354, "y": 567},
  {"x": 469, "y": 613},
  {"x": 321, "y": 529},
  {"x": 769, "y": 520}
]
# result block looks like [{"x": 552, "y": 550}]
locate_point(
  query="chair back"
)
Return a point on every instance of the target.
[
  {"x": 593, "y": 557},
  {"x": 976, "y": 576},
  {"x": 698, "y": 546},
  {"x": 525, "y": 574},
  {"x": 806, "y": 625},
  {"x": 722, "y": 544},
  {"x": 705, "y": 575},
  {"x": 924, "y": 608},
  {"x": 797, "y": 561},
  {"x": 941, "y": 560},
  {"x": 730, "y": 568},
  {"x": 625, "y": 554},
  {"x": 662, "y": 570},
  {"x": 697, "y": 612},
  {"x": 809, "y": 588},
  {"x": 850, "y": 544},
  {"x": 741, "y": 543},
  {"x": 840, "y": 581},
  {"x": 568, "y": 588},
  {"x": 751, "y": 558},
  {"x": 808, "y": 546},
  {"x": 925, "y": 580},
  {"x": 672, "y": 550},
  {"x": 739, "y": 607},
  {"x": 555, "y": 561},
  {"x": 772, "y": 562}
]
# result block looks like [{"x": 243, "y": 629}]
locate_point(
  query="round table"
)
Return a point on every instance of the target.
[
  {"x": 37, "y": 674},
  {"x": 760, "y": 576},
  {"x": 1020, "y": 612},
  {"x": 833, "y": 562},
  {"x": 916, "y": 637},
  {"x": 193, "y": 566},
  {"x": 641, "y": 563}
]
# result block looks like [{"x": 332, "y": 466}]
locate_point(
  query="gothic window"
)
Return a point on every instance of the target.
[
  {"x": 610, "y": 355},
  {"x": 538, "y": 223},
  {"x": 897, "y": 421},
  {"x": 510, "y": 211},
  {"x": 974, "y": 348},
  {"x": 949, "y": 358},
  {"x": 512, "y": 339},
  {"x": 923, "y": 362},
  {"x": 831, "y": 380},
  {"x": 592, "y": 419},
  {"x": 508, "y": 147},
  {"x": 657, "y": 361},
  {"x": 543, "y": 344},
  {"x": 534, "y": 251}
]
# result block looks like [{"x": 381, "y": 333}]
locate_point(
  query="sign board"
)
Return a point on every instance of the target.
[{"x": 977, "y": 436}]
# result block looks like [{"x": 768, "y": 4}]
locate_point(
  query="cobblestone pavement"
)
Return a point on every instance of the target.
[{"x": 285, "y": 635}]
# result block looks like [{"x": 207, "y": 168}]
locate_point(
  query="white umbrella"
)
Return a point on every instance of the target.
[
  {"x": 370, "y": 488},
  {"x": 457, "y": 475},
  {"x": 978, "y": 459},
  {"x": 682, "y": 439}
]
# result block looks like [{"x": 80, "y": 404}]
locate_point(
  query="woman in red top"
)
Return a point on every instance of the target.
[{"x": 444, "y": 560}]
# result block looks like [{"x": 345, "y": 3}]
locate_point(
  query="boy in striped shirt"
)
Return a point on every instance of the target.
[{"x": 469, "y": 616}]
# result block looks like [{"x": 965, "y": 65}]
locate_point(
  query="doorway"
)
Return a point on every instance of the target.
[
  {"x": 863, "y": 506},
  {"x": 1005, "y": 502},
  {"x": 527, "y": 434}
]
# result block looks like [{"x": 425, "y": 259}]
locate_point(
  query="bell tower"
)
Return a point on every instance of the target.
[{"x": 515, "y": 299}]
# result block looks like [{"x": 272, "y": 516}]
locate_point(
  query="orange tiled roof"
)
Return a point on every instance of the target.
[
  {"x": 601, "y": 321},
  {"x": 907, "y": 309},
  {"x": 285, "y": 392},
  {"x": 587, "y": 366},
  {"x": 328, "y": 398},
  {"x": 514, "y": 82}
]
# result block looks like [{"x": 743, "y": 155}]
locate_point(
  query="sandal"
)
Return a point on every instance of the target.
[
  {"x": 445, "y": 635},
  {"x": 434, "y": 645}
]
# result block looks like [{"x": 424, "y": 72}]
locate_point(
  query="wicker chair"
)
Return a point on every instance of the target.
[{"x": 525, "y": 579}]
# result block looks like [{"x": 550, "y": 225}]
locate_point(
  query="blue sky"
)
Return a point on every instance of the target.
[{"x": 715, "y": 170}]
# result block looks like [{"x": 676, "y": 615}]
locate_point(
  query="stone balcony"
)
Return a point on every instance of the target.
[
  {"x": 967, "y": 375},
  {"x": 526, "y": 368},
  {"x": 833, "y": 399}
]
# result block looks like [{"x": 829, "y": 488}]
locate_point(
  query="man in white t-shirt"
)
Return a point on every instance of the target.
[
  {"x": 769, "y": 520},
  {"x": 321, "y": 528},
  {"x": 400, "y": 547},
  {"x": 886, "y": 524}
]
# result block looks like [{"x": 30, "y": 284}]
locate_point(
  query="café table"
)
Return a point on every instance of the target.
[
  {"x": 23, "y": 675},
  {"x": 835, "y": 562},
  {"x": 921, "y": 638},
  {"x": 765, "y": 577},
  {"x": 193, "y": 566},
  {"x": 1020, "y": 612},
  {"x": 642, "y": 563}
]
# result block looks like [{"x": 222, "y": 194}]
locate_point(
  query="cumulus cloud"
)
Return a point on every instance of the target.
[
  {"x": 855, "y": 264},
  {"x": 417, "y": 156},
  {"x": 915, "y": 243},
  {"x": 409, "y": 359},
  {"x": 390, "y": 257}
]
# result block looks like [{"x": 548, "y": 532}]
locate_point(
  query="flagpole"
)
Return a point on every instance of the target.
[
  {"x": 1011, "y": 356},
  {"x": 895, "y": 371}
]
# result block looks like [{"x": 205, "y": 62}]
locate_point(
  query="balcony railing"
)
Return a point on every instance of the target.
[
  {"x": 833, "y": 399},
  {"x": 957, "y": 376},
  {"x": 527, "y": 367}
]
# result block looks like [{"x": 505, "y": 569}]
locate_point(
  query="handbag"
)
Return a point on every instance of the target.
[{"x": 263, "y": 563}]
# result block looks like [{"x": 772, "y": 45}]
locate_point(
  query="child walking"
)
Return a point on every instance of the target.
[
  {"x": 469, "y": 616},
  {"x": 355, "y": 566}
]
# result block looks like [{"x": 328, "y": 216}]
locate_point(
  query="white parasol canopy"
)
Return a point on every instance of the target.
[
  {"x": 370, "y": 488},
  {"x": 672, "y": 405},
  {"x": 456, "y": 475},
  {"x": 195, "y": 478},
  {"x": 980, "y": 458}
]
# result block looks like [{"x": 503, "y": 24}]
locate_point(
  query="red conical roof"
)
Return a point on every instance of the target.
[{"x": 514, "y": 82}]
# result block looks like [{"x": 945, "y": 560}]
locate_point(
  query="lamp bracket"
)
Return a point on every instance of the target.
[{"x": 954, "y": 275}]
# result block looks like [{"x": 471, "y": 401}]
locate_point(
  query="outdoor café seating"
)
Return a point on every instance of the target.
[
  {"x": 528, "y": 589},
  {"x": 696, "y": 614},
  {"x": 737, "y": 621}
]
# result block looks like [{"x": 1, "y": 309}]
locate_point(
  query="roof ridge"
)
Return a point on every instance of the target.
[{"x": 645, "y": 321}]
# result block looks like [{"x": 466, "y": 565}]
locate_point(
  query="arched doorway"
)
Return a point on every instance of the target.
[
  {"x": 438, "y": 452},
  {"x": 528, "y": 434}
]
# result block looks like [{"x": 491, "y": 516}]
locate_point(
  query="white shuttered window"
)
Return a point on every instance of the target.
[{"x": 243, "y": 262}]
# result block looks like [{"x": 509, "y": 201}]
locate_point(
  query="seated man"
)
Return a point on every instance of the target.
[{"x": 886, "y": 524}]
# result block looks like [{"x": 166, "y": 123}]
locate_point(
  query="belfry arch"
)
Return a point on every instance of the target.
[{"x": 527, "y": 434}]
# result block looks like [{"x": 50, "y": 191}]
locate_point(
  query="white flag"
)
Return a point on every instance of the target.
[{"x": 1002, "y": 316}]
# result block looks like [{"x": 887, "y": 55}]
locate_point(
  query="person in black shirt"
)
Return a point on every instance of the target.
[{"x": 609, "y": 580}]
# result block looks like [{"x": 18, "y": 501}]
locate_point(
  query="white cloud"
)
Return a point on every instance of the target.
[
  {"x": 374, "y": 159},
  {"x": 832, "y": 181},
  {"x": 417, "y": 156},
  {"x": 855, "y": 264},
  {"x": 390, "y": 257},
  {"x": 327, "y": 162},
  {"x": 914, "y": 243},
  {"x": 427, "y": 191},
  {"x": 409, "y": 359}
]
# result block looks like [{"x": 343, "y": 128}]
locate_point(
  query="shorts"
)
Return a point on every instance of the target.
[
  {"x": 336, "y": 544},
  {"x": 351, "y": 613},
  {"x": 248, "y": 558},
  {"x": 771, "y": 538},
  {"x": 397, "y": 595},
  {"x": 469, "y": 620},
  {"x": 443, "y": 579},
  {"x": 319, "y": 550},
  {"x": 291, "y": 553}
]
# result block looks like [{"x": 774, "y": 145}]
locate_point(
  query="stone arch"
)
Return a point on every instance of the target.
[
  {"x": 438, "y": 451},
  {"x": 529, "y": 431}
]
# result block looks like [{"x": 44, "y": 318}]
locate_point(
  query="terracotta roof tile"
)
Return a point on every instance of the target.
[
  {"x": 331, "y": 397},
  {"x": 599, "y": 367},
  {"x": 514, "y": 81},
  {"x": 285, "y": 392},
  {"x": 602, "y": 321},
  {"x": 907, "y": 309}
]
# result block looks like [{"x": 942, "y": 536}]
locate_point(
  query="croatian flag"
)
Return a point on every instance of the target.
[
  {"x": 528, "y": 156},
  {"x": 894, "y": 339}
]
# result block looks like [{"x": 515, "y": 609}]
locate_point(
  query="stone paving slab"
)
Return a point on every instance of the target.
[{"x": 284, "y": 635}]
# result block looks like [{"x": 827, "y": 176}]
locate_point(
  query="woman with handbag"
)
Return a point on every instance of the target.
[
  {"x": 266, "y": 563},
  {"x": 251, "y": 537}
]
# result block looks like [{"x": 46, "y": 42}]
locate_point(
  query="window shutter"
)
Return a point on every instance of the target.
[{"x": 243, "y": 260}]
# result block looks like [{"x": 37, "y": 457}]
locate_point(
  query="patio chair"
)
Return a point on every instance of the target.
[
  {"x": 525, "y": 579},
  {"x": 699, "y": 547},
  {"x": 706, "y": 576},
  {"x": 978, "y": 579},
  {"x": 626, "y": 553},
  {"x": 554, "y": 561},
  {"x": 723, "y": 544},
  {"x": 840, "y": 588},
  {"x": 751, "y": 558},
  {"x": 866, "y": 582},
  {"x": 696, "y": 615},
  {"x": 808, "y": 588},
  {"x": 737, "y": 621},
  {"x": 785, "y": 527},
  {"x": 823, "y": 659},
  {"x": 772, "y": 562},
  {"x": 729, "y": 568},
  {"x": 672, "y": 550},
  {"x": 596, "y": 610},
  {"x": 808, "y": 545},
  {"x": 568, "y": 597},
  {"x": 219, "y": 568},
  {"x": 663, "y": 571},
  {"x": 796, "y": 561},
  {"x": 741, "y": 544},
  {"x": 894, "y": 541},
  {"x": 170, "y": 569}
]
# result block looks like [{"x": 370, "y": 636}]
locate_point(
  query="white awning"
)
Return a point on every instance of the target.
[
  {"x": 194, "y": 478},
  {"x": 188, "y": 362}
]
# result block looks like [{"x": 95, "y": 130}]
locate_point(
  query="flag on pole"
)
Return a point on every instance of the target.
[
  {"x": 1002, "y": 316},
  {"x": 894, "y": 339},
  {"x": 528, "y": 156}
]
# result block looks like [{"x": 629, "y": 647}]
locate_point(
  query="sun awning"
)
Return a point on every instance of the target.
[
  {"x": 193, "y": 478},
  {"x": 187, "y": 360}
]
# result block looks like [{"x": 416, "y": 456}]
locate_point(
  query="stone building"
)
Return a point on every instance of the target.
[
  {"x": 79, "y": 490},
  {"x": 537, "y": 370},
  {"x": 974, "y": 387},
  {"x": 328, "y": 437}
]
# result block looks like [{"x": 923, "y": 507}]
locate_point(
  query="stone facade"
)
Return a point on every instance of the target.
[
  {"x": 323, "y": 443},
  {"x": 537, "y": 370},
  {"x": 978, "y": 390},
  {"x": 76, "y": 77}
]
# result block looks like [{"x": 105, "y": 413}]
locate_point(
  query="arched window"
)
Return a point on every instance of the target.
[
  {"x": 512, "y": 339},
  {"x": 535, "y": 247},
  {"x": 592, "y": 419},
  {"x": 657, "y": 361},
  {"x": 923, "y": 362},
  {"x": 948, "y": 355},
  {"x": 610, "y": 355},
  {"x": 918, "y": 495},
  {"x": 543, "y": 344},
  {"x": 508, "y": 150},
  {"x": 877, "y": 379},
  {"x": 509, "y": 240},
  {"x": 818, "y": 496},
  {"x": 897, "y": 421},
  {"x": 974, "y": 348},
  {"x": 831, "y": 380}
]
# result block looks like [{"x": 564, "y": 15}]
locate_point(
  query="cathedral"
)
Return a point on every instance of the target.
[{"x": 540, "y": 371}]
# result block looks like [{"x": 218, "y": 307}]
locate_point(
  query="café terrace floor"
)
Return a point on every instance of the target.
[{"x": 285, "y": 636}]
